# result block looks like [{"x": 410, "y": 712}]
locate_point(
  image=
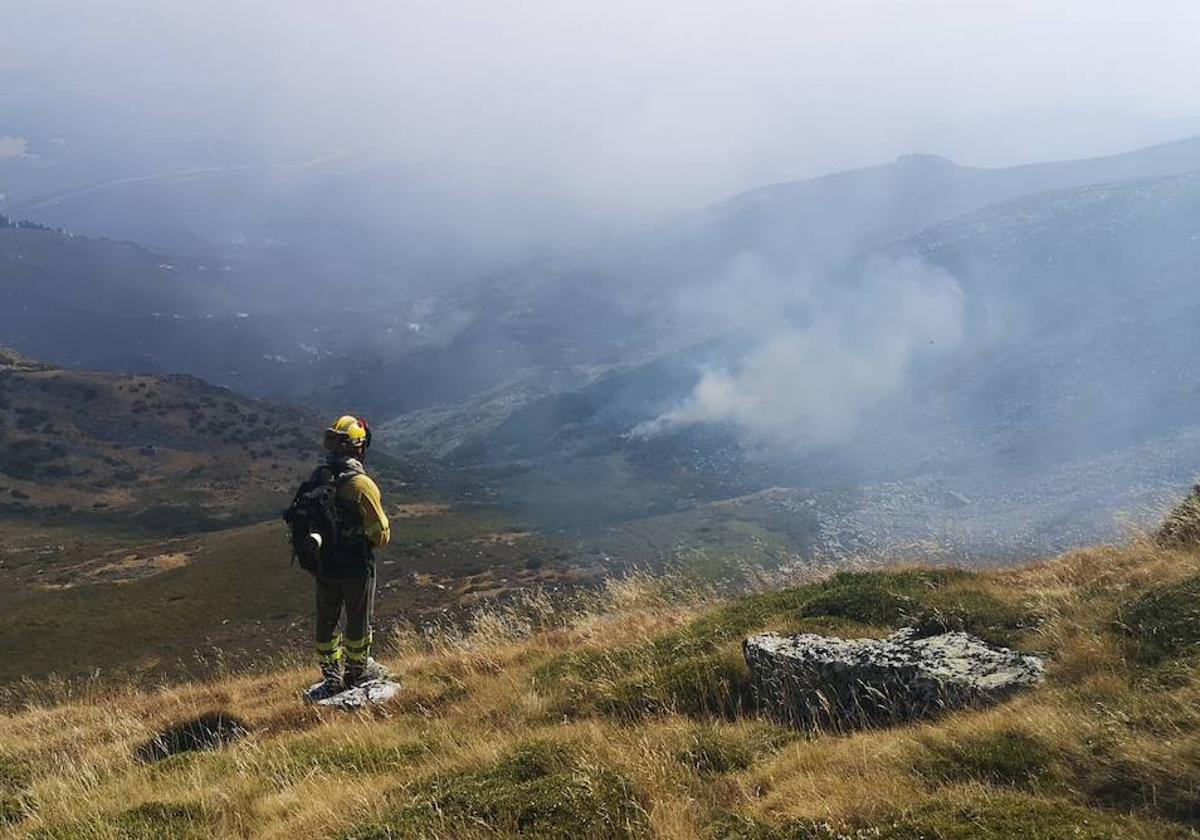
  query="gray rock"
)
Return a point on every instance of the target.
[
  {"x": 370, "y": 693},
  {"x": 821, "y": 682}
]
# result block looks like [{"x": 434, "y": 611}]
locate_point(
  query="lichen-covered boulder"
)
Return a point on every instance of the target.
[{"x": 821, "y": 682}]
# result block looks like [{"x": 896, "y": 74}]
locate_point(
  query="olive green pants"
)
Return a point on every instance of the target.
[{"x": 355, "y": 597}]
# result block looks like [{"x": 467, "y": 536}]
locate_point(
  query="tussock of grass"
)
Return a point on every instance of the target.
[
  {"x": 711, "y": 749},
  {"x": 935, "y": 601},
  {"x": 632, "y": 719},
  {"x": 1008, "y": 758},
  {"x": 1164, "y": 623},
  {"x": 14, "y": 777}
]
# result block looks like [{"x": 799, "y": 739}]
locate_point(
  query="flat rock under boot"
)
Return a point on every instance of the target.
[{"x": 367, "y": 693}]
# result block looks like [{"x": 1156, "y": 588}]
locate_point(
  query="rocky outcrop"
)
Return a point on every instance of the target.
[{"x": 820, "y": 682}]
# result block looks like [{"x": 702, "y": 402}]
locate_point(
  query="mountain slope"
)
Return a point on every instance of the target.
[
  {"x": 170, "y": 452},
  {"x": 827, "y": 220},
  {"x": 251, "y": 323},
  {"x": 1071, "y": 385}
]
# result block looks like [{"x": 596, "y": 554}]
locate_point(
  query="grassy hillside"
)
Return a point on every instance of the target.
[
  {"x": 171, "y": 453},
  {"x": 629, "y": 716},
  {"x": 117, "y": 606}
]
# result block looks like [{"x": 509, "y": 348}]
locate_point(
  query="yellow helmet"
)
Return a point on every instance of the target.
[{"x": 348, "y": 432}]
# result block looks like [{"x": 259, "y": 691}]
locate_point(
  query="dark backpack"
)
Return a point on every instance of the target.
[{"x": 315, "y": 526}]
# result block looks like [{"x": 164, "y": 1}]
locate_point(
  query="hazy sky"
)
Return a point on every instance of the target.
[{"x": 621, "y": 105}]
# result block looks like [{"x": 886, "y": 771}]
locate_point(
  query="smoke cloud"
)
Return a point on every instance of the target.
[{"x": 829, "y": 353}]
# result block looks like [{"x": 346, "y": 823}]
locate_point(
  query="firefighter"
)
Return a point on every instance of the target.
[{"x": 345, "y": 583}]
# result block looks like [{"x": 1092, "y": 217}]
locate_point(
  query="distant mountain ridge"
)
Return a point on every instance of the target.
[{"x": 100, "y": 304}]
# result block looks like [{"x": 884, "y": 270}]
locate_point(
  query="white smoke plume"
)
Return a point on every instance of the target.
[{"x": 818, "y": 371}]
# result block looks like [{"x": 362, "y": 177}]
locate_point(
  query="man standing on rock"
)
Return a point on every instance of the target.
[{"x": 339, "y": 512}]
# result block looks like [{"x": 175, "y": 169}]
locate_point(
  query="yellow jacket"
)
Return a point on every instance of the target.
[{"x": 362, "y": 491}]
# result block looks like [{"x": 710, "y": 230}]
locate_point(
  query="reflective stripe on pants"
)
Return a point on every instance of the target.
[{"x": 353, "y": 596}]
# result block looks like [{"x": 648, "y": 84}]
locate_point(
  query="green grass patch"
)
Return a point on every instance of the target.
[
  {"x": 538, "y": 790},
  {"x": 1007, "y": 816},
  {"x": 935, "y": 601},
  {"x": 162, "y": 821},
  {"x": 1108, "y": 773},
  {"x": 323, "y": 755},
  {"x": 1012, "y": 816},
  {"x": 1006, "y": 758},
  {"x": 147, "y": 821},
  {"x": 1163, "y": 624}
]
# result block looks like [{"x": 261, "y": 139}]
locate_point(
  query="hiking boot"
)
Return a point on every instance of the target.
[
  {"x": 358, "y": 673},
  {"x": 331, "y": 683}
]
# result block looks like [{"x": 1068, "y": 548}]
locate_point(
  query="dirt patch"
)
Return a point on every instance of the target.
[
  {"x": 127, "y": 568},
  {"x": 476, "y": 596},
  {"x": 419, "y": 509},
  {"x": 502, "y": 538},
  {"x": 132, "y": 567}
]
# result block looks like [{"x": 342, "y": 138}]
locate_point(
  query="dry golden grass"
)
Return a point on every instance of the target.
[{"x": 1107, "y": 747}]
